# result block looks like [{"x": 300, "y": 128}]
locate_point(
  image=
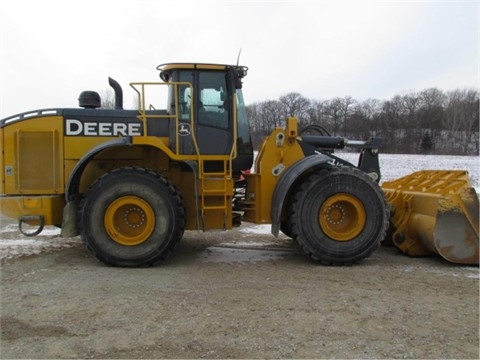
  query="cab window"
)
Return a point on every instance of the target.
[{"x": 213, "y": 109}]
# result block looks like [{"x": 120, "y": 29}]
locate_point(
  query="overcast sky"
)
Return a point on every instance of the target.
[{"x": 53, "y": 50}]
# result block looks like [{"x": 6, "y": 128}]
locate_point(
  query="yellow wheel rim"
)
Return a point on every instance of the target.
[
  {"x": 129, "y": 220},
  {"x": 342, "y": 217}
]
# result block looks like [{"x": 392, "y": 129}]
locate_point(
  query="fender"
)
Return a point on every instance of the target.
[
  {"x": 74, "y": 182},
  {"x": 69, "y": 219},
  {"x": 285, "y": 183}
]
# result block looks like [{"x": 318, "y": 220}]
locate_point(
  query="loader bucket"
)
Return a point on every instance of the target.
[{"x": 435, "y": 212}]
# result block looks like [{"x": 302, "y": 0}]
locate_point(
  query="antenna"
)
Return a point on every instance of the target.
[{"x": 238, "y": 57}]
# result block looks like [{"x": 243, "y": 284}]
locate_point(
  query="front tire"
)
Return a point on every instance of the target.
[
  {"x": 338, "y": 216},
  {"x": 131, "y": 217}
]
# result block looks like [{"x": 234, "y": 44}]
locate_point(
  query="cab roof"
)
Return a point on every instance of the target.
[
  {"x": 166, "y": 69},
  {"x": 174, "y": 66}
]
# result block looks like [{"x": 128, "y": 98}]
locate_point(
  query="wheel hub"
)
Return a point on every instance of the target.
[
  {"x": 134, "y": 217},
  {"x": 342, "y": 217},
  {"x": 129, "y": 220}
]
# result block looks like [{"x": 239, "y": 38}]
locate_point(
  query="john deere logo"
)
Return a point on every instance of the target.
[
  {"x": 184, "y": 129},
  {"x": 74, "y": 127}
]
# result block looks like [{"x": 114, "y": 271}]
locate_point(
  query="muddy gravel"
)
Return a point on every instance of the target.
[{"x": 236, "y": 295}]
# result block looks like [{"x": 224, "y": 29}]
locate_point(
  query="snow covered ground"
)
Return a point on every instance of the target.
[
  {"x": 394, "y": 166},
  {"x": 13, "y": 244}
]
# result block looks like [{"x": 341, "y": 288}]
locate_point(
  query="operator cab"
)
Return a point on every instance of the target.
[{"x": 212, "y": 95}]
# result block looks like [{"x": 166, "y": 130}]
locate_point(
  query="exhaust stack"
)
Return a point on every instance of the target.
[{"x": 118, "y": 93}]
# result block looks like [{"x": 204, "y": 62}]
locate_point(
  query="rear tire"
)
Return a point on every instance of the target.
[
  {"x": 131, "y": 217},
  {"x": 338, "y": 216}
]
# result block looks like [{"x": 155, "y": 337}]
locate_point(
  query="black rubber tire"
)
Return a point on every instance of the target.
[
  {"x": 304, "y": 215},
  {"x": 286, "y": 228},
  {"x": 286, "y": 224},
  {"x": 157, "y": 193}
]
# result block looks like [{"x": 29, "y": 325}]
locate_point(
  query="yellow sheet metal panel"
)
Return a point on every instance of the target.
[
  {"x": 77, "y": 146},
  {"x": 33, "y": 153},
  {"x": 51, "y": 207},
  {"x": 38, "y": 162},
  {"x": 279, "y": 151}
]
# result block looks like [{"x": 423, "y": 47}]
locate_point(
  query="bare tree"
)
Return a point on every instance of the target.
[
  {"x": 333, "y": 114},
  {"x": 347, "y": 105},
  {"x": 317, "y": 113},
  {"x": 461, "y": 120},
  {"x": 431, "y": 111},
  {"x": 295, "y": 105},
  {"x": 108, "y": 99},
  {"x": 426, "y": 121},
  {"x": 264, "y": 117},
  {"x": 371, "y": 109},
  {"x": 274, "y": 114}
]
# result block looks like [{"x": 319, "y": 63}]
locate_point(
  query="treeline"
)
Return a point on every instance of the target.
[{"x": 430, "y": 122}]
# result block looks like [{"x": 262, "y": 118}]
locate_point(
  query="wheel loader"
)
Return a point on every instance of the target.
[{"x": 130, "y": 182}]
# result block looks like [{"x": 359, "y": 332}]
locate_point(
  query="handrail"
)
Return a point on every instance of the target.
[
  {"x": 143, "y": 116},
  {"x": 233, "y": 151}
]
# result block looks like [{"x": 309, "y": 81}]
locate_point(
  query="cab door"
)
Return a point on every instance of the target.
[{"x": 212, "y": 125}]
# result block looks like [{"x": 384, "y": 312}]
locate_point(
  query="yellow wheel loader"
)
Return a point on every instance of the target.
[{"x": 130, "y": 182}]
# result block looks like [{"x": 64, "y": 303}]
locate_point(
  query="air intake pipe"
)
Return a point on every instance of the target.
[{"x": 118, "y": 93}]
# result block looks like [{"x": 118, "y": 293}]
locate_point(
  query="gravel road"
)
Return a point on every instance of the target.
[{"x": 237, "y": 295}]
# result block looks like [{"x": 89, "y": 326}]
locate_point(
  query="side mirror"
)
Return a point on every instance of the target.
[
  {"x": 238, "y": 73},
  {"x": 238, "y": 83}
]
